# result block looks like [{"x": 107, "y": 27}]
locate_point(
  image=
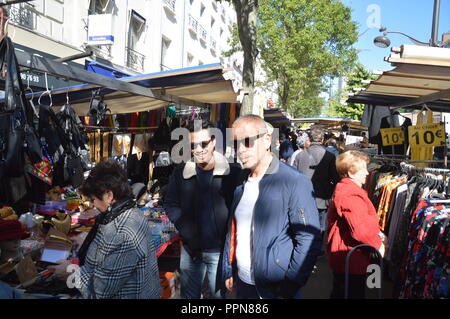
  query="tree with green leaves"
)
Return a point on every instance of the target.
[
  {"x": 301, "y": 42},
  {"x": 246, "y": 13},
  {"x": 354, "y": 80}
]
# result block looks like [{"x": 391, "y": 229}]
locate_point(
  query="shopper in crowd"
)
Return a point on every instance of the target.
[
  {"x": 286, "y": 149},
  {"x": 274, "y": 238},
  {"x": 303, "y": 143},
  {"x": 320, "y": 166},
  {"x": 117, "y": 258},
  {"x": 198, "y": 202},
  {"x": 331, "y": 146},
  {"x": 293, "y": 138},
  {"x": 352, "y": 220},
  {"x": 4, "y": 16},
  {"x": 365, "y": 140}
]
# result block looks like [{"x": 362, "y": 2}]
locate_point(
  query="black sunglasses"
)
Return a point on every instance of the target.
[
  {"x": 203, "y": 144},
  {"x": 248, "y": 141}
]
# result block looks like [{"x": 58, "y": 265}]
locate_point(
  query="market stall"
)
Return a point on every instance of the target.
[
  {"x": 129, "y": 120},
  {"x": 409, "y": 177}
]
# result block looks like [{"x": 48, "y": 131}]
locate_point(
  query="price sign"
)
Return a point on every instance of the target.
[
  {"x": 392, "y": 136},
  {"x": 427, "y": 135}
]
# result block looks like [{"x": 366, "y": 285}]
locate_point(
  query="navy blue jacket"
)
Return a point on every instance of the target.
[
  {"x": 182, "y": 200},
  {"x": 286, "y": 233}
]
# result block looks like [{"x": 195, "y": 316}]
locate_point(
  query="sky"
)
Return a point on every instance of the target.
[{"x": 413, "y": 17}]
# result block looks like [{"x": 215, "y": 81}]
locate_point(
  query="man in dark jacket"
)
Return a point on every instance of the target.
[
  {"x": 320, "y": 166},
  {"x": 198, "y": 201},
  {"x": 286, "y": 149},
  {"x": 273, "y": 238}
]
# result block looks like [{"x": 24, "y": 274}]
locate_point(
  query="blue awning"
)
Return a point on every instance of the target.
[{"x": 96, "y": 67}]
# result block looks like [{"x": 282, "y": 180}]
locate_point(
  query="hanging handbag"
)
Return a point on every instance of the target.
[
  {"x": 11, "y": 145},
  {"x": 17, "y": 135}
]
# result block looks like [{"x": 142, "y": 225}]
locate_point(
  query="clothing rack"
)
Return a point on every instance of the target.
[
  {"x": 401, "y": 158},
  {"x": 113, "y": 129},
  {"x": 414, "y": 169}
]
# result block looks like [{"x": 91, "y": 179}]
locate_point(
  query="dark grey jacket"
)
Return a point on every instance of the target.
[{"x": 320, "y": 166}]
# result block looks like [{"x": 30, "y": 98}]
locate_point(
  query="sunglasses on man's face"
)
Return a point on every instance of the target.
[
  {"x": 203, "y": 144},
  {"x": 248, "y": 141}
]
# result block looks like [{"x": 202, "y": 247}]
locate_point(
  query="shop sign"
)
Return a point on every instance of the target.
[
  {"x": 427, "y": 135},
  {"x": 392, "y": 136}
]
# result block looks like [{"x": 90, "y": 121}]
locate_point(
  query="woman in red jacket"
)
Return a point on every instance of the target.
[{"x": 352, "y": 220}]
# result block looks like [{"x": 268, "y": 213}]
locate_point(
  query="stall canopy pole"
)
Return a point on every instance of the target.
[{"x": 43, "y": 65}]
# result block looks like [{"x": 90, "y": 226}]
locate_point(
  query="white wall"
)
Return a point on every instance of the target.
[{"x": 66, "y": 21}]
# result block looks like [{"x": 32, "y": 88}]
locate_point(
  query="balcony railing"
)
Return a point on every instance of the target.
[
  {"x": 170, "y": 4},
  {"x": 203, "y": 34},
  {"x": 193, "y": 24},
  {"x": 165, "y": 67},
  {"x": 22, "y": 15},
  {"x": 212, "y": 43},
  {"x": 135, "y": 60}
]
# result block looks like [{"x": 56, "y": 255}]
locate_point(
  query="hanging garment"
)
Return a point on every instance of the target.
[
  {"x": 105, "y": 146},
  {"x": 371, "y": 118},
  {"x": 388, "y": 191},
  {"x": 118, "y": 149},
  {"x": 422, "y": 275}
]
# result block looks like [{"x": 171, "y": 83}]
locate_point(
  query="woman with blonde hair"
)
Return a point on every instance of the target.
[{"x": 352, "y": 220}]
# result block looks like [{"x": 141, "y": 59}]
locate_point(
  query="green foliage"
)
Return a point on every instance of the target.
[
  {"x": 300, "y": 42},
  {"x": 354, "y": 80},
  {"x": 233, "y": 42}
]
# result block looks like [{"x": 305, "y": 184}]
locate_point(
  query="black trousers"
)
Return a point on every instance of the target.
[{"x": 356, "y": 287}]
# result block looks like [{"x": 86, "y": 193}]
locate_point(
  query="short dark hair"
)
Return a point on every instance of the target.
[
  {"x": 107, "y": 176},
  {"x": 205, "y": 124}
]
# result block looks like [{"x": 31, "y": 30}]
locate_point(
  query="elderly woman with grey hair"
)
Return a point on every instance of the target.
[{"x": 303, "y": 143}]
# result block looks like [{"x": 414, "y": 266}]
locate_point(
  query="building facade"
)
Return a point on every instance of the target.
[{"x": 131, "y": 36}]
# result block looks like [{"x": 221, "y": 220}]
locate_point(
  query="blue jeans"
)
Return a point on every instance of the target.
[
  {"x": 323, "y": 219},
  {"x": 192, "y": 274}
]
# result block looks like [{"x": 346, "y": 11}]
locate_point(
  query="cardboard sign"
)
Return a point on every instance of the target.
[
  {"x": 392, "y": 136},
  {"x": 427, "y": 135}
]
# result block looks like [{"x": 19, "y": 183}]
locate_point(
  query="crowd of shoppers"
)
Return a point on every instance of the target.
[{"x": 255, "y": 227}]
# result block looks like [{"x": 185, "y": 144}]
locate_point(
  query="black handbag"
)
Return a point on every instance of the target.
[
  {"x": 73, "y": 170},
  {"x": 17, "y": 135},
  {"x": 12, "y": 160}
]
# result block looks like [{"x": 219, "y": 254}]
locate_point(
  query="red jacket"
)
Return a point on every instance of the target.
[{"x": 352, "y": 220}]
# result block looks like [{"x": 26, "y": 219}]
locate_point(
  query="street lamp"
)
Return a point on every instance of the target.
[{"x": 383, "y": 41}]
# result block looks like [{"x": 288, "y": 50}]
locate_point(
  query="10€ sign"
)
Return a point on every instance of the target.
[
  {"x": 426, "y": 135},
  {"x": 392, "y": 136}
]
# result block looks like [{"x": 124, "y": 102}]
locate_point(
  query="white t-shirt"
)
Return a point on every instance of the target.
[
  {"x": 244, "y": 216},
  {"x": 293, "y": 156}
]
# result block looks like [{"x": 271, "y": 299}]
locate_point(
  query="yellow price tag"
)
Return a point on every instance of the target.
[
  {"x": 392, "y": 136},
  {"x": 427, "y": 135}
]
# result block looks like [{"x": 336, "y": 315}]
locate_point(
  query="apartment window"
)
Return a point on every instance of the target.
[
  {"x": 165, "y": 45},
  {"x": 136, "y": 29},
  {"x": 200, "y": 62},
  {"x": 100, "y": 6},
  {"x": 212, "y": 22},
  {"x": 202, "y": 9},
  {"x": 221, "y": 31},
  {"x": 191, "y": 2}
]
